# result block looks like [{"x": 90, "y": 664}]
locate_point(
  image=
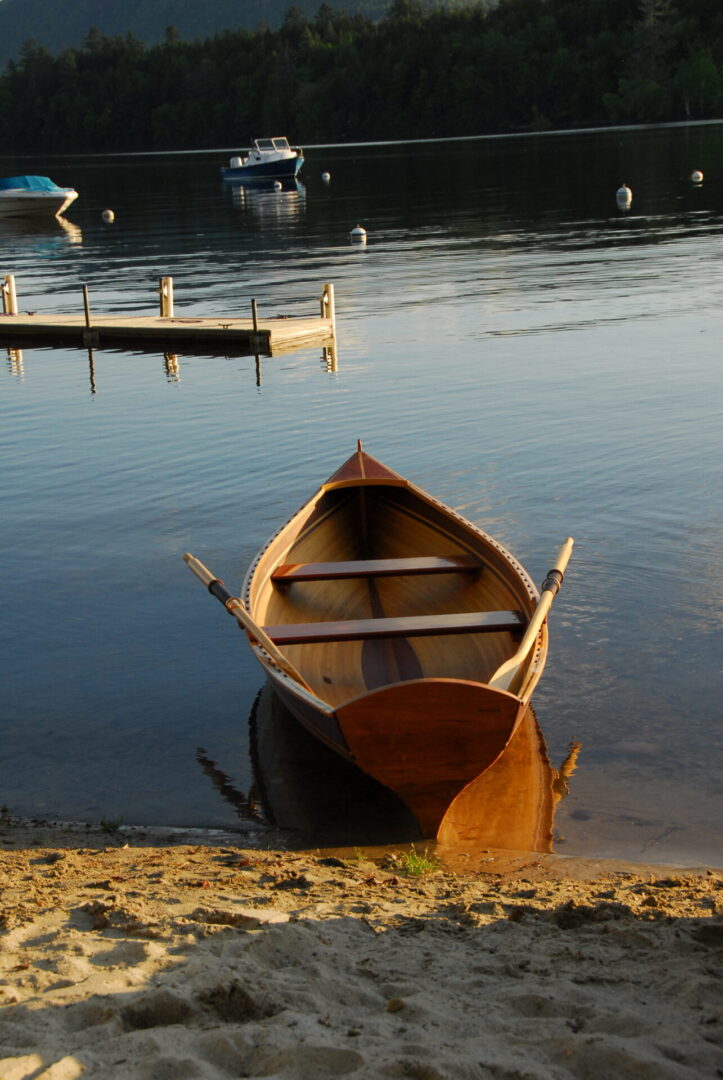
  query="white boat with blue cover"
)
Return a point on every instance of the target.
[
  {"x": 34, "y": 197},
  {"x": 267, "y": 159}
]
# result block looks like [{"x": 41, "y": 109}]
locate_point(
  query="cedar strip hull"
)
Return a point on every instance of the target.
[
  {"x": 415, "y": 713},
  {"x": 427, "y": 739}
]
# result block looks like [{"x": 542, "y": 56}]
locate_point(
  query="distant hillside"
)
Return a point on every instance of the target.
[
  {"x": 56, "y": 25},
  {"x": 523, "y": 65}
]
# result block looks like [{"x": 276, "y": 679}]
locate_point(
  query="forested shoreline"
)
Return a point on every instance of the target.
[{"x": 416, "y": 73}]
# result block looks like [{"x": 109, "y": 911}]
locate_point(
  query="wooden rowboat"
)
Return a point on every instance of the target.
[{"x": 398, "y": 633}]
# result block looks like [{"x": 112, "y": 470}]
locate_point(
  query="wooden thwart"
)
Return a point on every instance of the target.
[
  {"x": 466, "y": 622},
  {"x": 362, "y": 568}
]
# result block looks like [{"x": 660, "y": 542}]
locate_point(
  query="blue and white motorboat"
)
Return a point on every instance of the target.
[
  {"x": 267, "y": 159},
  {"x": 33, "y": 197}
]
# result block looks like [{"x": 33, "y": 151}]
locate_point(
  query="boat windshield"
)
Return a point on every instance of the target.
[
  {"x": 281, "y": 144},
  {"x": 264, "y": 144}
]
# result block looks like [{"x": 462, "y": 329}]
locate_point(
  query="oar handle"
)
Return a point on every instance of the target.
[
  {"x": 553, "y": 581},
  {"x": 550, "y": 588},
  {"x": 237, "y": 608}
]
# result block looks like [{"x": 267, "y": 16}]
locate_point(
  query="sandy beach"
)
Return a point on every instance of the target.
[{"x": 158, "y": 954}]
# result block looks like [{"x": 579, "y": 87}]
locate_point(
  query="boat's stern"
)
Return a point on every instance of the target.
[{"x": 426, "y": 739}]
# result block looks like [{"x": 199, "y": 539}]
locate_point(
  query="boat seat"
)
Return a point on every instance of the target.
[
  {"x": 286, "y": 573},
  {"x": 466, "y": 622}
]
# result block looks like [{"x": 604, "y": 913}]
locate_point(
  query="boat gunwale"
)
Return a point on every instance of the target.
[
  {"x": 311, "y": 504},
  {"x": 531, "y": 671}
]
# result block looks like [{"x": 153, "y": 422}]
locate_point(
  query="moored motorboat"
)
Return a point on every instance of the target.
[
  {"x": 33, "y": 196},
  {"x": 398, "y": 633},
  {"x": 267, "y": 159}
]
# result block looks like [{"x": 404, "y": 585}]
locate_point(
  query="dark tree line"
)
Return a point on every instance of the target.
[
  {"x": 59, "y": 25},
  {"x": 522, "y": 65}
]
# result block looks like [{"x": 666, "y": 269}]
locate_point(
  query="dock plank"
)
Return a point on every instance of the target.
[{"x": 270, "y": 337}]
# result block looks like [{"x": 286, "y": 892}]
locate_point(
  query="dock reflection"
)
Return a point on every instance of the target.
[
  {"x": 172, "y": 362},
  {"x": 319, "y": 800},
  {"x": 16, "y": 362}
]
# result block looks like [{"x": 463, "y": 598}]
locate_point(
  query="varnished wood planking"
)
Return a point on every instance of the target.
[
  {"x": 329, "y": 529},
  {"x": 361, "y": 468},
  {"x": 366, "y": 568},
  {"x": 398, "y": 627},
  {"x": 426, "y": 739},
  {"x": 426, "y": 744}
]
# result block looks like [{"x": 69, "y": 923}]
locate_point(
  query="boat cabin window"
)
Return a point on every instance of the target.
[
  {"x": 264, "y": 144},
  {"x": 281, "y": 144}
]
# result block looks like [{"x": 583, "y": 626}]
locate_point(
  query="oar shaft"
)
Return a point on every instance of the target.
[
  {"x": 550, "y": 588},
  {"x": 236, "y": 608}
]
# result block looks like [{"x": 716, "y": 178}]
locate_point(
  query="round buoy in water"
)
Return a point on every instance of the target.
[
  {"x": 326, "y": 177},
  {"x": 624, "y": 196},
  {"x": 277, "y": 185},
  {"x": 108, "y": 215},
  {"x": 358, "y": 235},
  {"x": 697, "y": 176}
]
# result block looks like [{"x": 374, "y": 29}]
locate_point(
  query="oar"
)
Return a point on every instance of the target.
[
  {"x": 236, "y": 607},
  {"x": 550, "y": 587}
]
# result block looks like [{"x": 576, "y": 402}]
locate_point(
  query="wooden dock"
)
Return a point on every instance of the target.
[{"x": 255, "y": 335}]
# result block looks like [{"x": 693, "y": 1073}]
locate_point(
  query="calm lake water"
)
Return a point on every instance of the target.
[{"x": 509, "y": 339}]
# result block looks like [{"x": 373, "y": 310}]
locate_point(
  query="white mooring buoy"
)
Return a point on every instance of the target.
[
  {"x": 358, "y": 235},
  {"x": 108, "y": 215},
  {"x": 624, "y": 196},
  {"x": 697, "y": 176},
  {"x": 326, "y": 177}
]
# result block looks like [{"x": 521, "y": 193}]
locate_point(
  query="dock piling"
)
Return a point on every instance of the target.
[
  {"x": 256, "y": 342},
  {"x": 90, "y": 338},
  {"x": 327, "y": 305},
  {"x": 165, "y": 289},
  {"x": 10, "y": 300}
]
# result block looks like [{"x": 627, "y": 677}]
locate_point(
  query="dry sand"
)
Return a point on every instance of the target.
[{"x": 148, "y": 956}]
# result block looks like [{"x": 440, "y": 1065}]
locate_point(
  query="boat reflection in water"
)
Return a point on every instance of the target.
[
  {"x": 270, "y": 200},
  {"x": 323, "y": 801},
  {"x": 48, "y": 233},
  {"x": 511, "y": 805}
]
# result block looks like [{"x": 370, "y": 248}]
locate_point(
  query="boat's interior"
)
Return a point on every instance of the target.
[{"x": 376, "y": 585}]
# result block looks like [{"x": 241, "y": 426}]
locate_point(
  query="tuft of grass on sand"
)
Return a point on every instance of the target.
[
  {"x": 411, "y": 863},
  {"x": 417, "y": 865}
]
